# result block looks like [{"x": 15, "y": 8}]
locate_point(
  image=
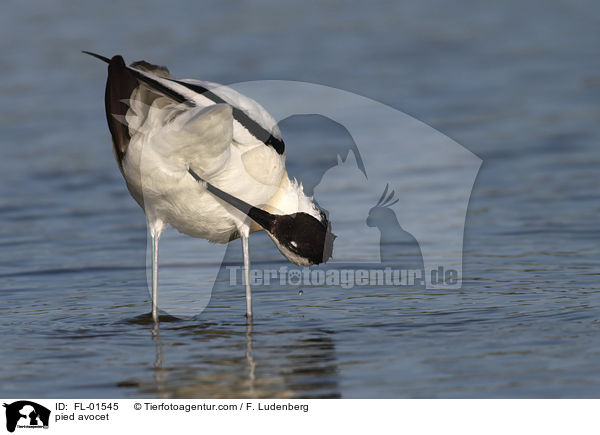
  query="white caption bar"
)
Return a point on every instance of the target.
[{"x": 293, "y": 416}]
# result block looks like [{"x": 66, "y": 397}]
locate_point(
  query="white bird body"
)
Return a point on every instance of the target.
[
  {"x": 162, "y": 150},
  {"x": 208, "y": 161}
]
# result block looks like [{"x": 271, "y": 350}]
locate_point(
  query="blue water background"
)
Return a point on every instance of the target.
[{"x": 517, "y": 83}]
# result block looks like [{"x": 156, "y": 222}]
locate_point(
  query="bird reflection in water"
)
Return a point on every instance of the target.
[{"x": 284, "y": 364}]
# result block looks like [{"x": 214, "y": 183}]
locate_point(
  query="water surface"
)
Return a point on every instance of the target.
[{"x": 517, "y": 83}]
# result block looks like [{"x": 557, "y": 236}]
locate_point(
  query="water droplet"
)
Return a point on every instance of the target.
[{"x": 300, "y": 292}]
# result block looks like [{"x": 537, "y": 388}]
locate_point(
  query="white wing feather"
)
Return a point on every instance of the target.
[{"x": 254, "y": 110}]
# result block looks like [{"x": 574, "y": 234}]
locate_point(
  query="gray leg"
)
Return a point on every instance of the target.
[
  {"x": 155, "y": 239},
  {"x": 247, "y": 276}
]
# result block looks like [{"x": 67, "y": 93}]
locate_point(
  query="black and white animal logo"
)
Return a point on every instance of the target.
[{"x": 26, "y": 414}]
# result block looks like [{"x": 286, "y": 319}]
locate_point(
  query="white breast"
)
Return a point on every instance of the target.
[{"x": 161, "y": 151}]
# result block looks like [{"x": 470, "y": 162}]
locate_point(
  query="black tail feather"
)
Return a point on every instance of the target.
[
  {"x": 97, "y": 56},
  {"x": 119, "y": 87}
]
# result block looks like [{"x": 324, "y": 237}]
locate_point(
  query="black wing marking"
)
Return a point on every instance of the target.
[
  {"x": 257, "y": 130},
  {"x": 97, "y": 56},
  {"x": 119, "y": 86},
  {"x": 122, "y": 80}
]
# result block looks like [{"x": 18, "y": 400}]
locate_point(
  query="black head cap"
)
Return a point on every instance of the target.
[{"x": 302, "y": 238}]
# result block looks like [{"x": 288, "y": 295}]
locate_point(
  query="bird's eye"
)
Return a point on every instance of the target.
[{"x": 294, "y": 244}]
